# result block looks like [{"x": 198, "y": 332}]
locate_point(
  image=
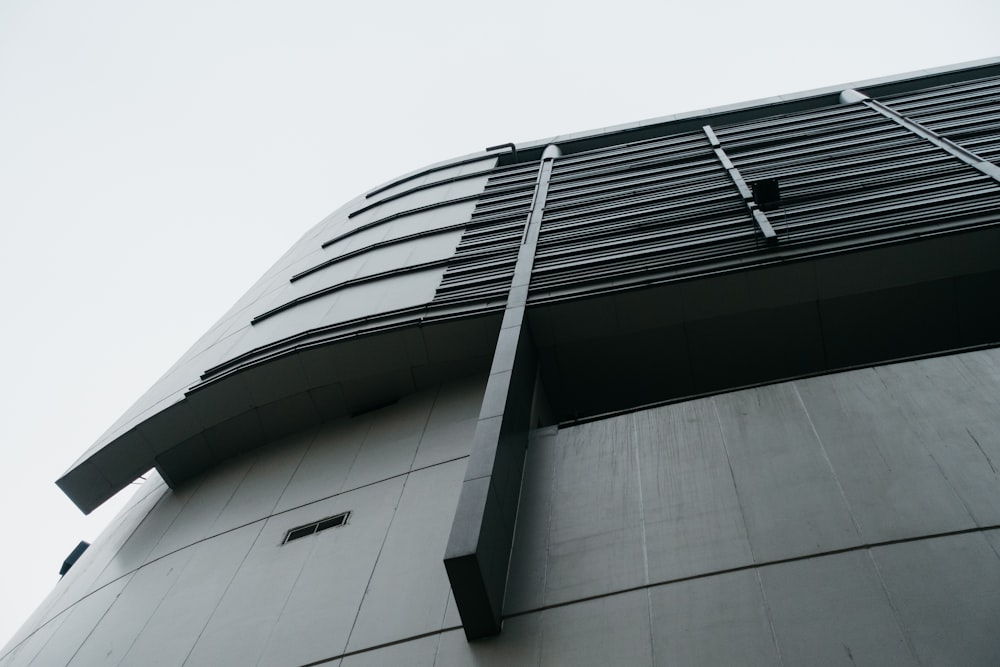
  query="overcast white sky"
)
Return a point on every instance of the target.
[{"x": 156, "y": 158}]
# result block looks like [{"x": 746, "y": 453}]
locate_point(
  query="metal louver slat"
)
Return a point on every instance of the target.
[
  {"x": 663, "y": 209},
  {"x": 484, "y": 260}
]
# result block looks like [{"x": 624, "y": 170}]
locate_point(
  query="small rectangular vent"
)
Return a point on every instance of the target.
[
  {"x": 316, "y": 526},
  {"x": 766, "y": 194}
]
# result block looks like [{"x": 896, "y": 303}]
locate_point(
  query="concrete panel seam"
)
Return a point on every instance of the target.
[
  {"x": 291, "y": 475},
  {"x": 369, "y": 649},
  {"x": 892, "y": 606},
  {"x": 947, "y": 480},
  {"x": 732, "y": 476},
  {"x": 767, "y": 614},
  {"x": 155, "y": 609},
  {"x": 222, "y": 595},
  {"x": 642, "y": 533},
  {"x": 754, "y": 566},
  {"x": 371, "y": 573},
  {"x": 829, "y": 464},
  {"x": 88, "y": 634},
  {"x": 746, "y": 531}
]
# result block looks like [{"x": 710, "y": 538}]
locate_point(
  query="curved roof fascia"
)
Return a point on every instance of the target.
[{"x": 766, "y": 106}]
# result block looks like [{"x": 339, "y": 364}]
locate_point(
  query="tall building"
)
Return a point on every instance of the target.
[{"x": 717, "y": 388}]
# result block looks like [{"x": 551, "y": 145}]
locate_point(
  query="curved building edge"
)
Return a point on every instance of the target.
[{"x": 264, "y": 381}]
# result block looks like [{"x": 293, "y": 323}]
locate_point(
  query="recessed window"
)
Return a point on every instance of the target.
[{"x": 316, "y": 526}]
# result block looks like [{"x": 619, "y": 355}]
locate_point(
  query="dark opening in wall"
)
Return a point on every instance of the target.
[
  {"x": 766, "y": 193},
  {"x": 73, "y": 557},
  {"x": 316, "y": 526}
]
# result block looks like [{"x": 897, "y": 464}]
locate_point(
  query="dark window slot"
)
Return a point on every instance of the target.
[{"x": 316, "y": 526}]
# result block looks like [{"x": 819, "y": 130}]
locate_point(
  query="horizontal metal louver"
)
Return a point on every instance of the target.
[
  {"x": 483, "y": 264},
  {"x": 635, "y": 210},
  {"x": 862, "y": 176},
  {"x": 967, "y": 114},
  {"x": 666, "y": 208}
]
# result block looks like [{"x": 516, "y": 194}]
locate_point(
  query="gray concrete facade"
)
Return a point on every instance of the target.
[
  {"x": 586, "y": 408},
  {"x": 843, "y": 519}
]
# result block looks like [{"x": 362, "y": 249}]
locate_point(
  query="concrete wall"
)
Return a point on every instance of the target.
[
  {"x": 200, "y": 576},
  {"x": 845, "y": 519}
]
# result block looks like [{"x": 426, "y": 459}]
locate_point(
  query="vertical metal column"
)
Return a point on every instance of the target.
[
  {"x": 478, "y": 552},
  {"x": 851, "y": 96},
  {"x": 759, "y": 217}
]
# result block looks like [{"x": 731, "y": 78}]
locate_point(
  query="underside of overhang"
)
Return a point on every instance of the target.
[
  {"x": 629, "y": 348},
  {"x": 286, "y": 392}
]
